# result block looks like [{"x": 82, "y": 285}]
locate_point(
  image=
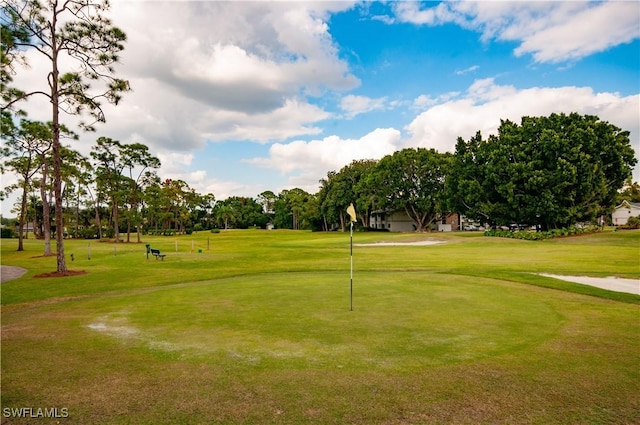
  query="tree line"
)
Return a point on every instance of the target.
[{"x": 551, "y": 172}]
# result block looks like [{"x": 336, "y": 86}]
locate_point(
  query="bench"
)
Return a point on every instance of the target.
[{"x": 156, "y": 253}]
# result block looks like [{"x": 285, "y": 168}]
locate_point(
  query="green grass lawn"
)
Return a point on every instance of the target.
[{"x": 254, "y": 327}]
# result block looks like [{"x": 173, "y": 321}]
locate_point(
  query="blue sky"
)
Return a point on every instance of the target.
[{"x": 240, "y": 97}]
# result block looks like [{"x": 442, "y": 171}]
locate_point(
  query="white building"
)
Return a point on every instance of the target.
[
  {"x": 623, "y": 211},
  {"x": 393, "y": 221}
]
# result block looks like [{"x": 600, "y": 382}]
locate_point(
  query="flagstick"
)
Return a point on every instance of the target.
[{"x": 351, "y": 253}]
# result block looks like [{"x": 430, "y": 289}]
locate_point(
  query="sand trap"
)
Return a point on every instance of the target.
[
  {"x": 418, "y": 243},
  {"x": 10, "y": 272},
  {"x": 612, "y": 283}
]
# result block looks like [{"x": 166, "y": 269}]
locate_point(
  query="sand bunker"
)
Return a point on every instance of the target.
[
  {"x": 10, "y": 272},
  {"x": 617, "y": 284},
  {"x": 417, "y": 243}
]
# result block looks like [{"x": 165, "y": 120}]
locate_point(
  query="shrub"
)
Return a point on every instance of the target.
[
  {"x": 633, "y": 223},
  {"x": 537, "y": 236},
  {"x": 88, "y": 233},
  {"x": 7, "y": 233}
]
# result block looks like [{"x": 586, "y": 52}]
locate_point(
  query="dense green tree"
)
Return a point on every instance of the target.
[
  {"x": 549, "y": 171},
  {"x": 329, "y": 213},
  {"x": 120, "y": 170},
  {"x": 268, "y": 201},
  {"x": 347, "y": 186},
  {"x": 23, "y": 149},
  {"x": 365, "y": 199},
  {"x": 295, "y": 209},
  {"x": 413, "y": 180},
  {"x": 205, "y": 211},
  {"x": 138, "y": 163},
  {"x": 109, "y": 178},
  {"x": 242, "y": 212},
  {"x": 28, "y": 150},
  {"x": 178, "y": 202},
  {"x": 467, "y": 184},
  {"x": 81, "y": 46},
  {"x": 225, "y": 214},
  {"x": 152, "y": 202}
]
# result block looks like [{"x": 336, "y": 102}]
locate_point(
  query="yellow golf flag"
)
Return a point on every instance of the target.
[{"x": 352, "y": 212}]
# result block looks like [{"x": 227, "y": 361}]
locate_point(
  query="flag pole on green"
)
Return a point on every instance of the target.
[{"x": 352, "y": 218}]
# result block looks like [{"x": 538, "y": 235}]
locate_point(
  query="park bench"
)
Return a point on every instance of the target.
[{"x": 155, "y": 252}]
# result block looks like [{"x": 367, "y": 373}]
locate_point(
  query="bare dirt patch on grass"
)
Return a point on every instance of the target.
[{"x": 68, "y": 273}]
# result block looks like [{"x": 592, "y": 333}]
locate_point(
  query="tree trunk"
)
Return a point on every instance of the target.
[
  {"x": 46, "y": 210},
  {"x": 128, "y": 230},
  {"x": 116, "y": 229},
  {"x": 77, "y": 215},
  {"x": 98, "y": 224},
  {"x": 57, "y": 161},
  {"x": 23, "y": 213}
]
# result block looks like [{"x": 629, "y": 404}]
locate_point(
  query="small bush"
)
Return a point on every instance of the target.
[
  {"x": 7, "y": 233},
  {"x": 633, "y": 223}
]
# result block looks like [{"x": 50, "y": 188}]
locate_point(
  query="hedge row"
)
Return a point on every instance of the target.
[{"x": 537, "y": 236}]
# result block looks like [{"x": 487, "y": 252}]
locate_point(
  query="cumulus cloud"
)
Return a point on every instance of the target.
[
  {"x": 356, "y": 105},
  {"x": 311, "y": 160},
  {"x": 574, "y": 38},
  {"x": 412, "y": 12},
  {"x": 550, "y": 31},
  {"x": 220, "y": 71},
  {"x": 485, "y": 103}
]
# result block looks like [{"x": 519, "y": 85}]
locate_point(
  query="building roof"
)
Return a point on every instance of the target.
[{"x": 627, "y": 204}]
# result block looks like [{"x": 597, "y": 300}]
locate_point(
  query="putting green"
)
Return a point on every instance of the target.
[{"x": 400, "y": 321}]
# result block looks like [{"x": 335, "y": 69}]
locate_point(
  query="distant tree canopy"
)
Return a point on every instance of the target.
[{"x": 550, "y": 171}]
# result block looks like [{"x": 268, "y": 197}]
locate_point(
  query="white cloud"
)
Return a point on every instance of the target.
[
  {"x": 313, "y": 159},
  {"x": 245, "y": 56},
  {"x": 356, "y": 105},
  {"x": 423, "y": 101},
  {"x": 409, "y": 11},
  {"x": 224, "y": 71},
  {"x": 383, "y": 18},
  {"x": 467, "y": 70},
  {"x": 293, "y": 118},
  {"x": 485, "y": 103},
  {"x": 215, "y": 71},
  {"x": 574, "y": 38},
  {"x": 174, "y": 159},
  {"x": 551, "y": 31}
]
